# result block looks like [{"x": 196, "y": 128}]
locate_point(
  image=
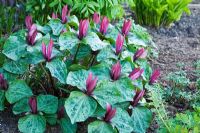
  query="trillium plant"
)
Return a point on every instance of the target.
[{"x": 69, "y": 71}]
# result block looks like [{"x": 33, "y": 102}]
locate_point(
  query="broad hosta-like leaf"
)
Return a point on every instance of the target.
[
  {"x": 2, "y": 99},
  {"x": 95, "y": 43},
  {"x": 16, "y": 67},
  {"x": 100, "y": 127},
  {"x": 34, "y": 57},
  {"x": 79, "y": 106},
  {"x": 47, "y": 104},
  {"x": 58, "y": 70},
  {"x": 122, "y": 121},
  {"x": 78, "y": 79},
  {"x": 21, "y": 106},
  {"x": 141, "y": 119},
  {"x": 68, "y": 40},
  {"x": 117, "y": 92},
  {"x": 15, "y": 47},
  {"x": 67, "y": 126},
  {"x": 17, "y": 90},
  {"x": 56, "y": 26},
  {"x": 32, "y": 124}
]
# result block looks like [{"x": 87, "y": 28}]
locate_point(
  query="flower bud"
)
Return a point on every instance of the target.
[
  {"x": 28, "y": 22},
  {"x": 141, "y": 53},
  {"x": 33, "y": 105},
  {"x": 116, "y": 71},
  {"x": 126, "y": 27},
  {"x": 154, "y": 77},
  {"x": 104, "y": 25},
  {"x": 110, "y": 113},
  {"x": 64, "y": 14},
  {"x": 83, "y": 28},
  {"x": 91, "y": 83},
  {"x": 119, "y": 43},
  {"x": 136, "y": 73},
  {"x": 47, "y": 51},
  {"x": 96, "y": 18},
  {"x": 139, "y": 94},
  {"x": 3, "y": 82}
]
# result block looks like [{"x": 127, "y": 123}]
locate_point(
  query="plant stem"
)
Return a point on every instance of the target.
[{"x": 76, "y": 53}]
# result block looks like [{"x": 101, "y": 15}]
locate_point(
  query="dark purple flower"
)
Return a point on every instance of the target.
[
  {"x": 64, "y": 14},
  {"x": 33, "y": 105},
  {"x": 54, "y": 15},
  {"x": 3, "y": 82},
  {"x": 96, "y": 18},
  {"x": 126, "y": 27},
  {"x": 136, "y": 73},
  {"x": 28, "y": 22},
  {"x": 61, "y": 113},
  {"x": 154, "y": 77},
  {"x": 32, "y": 33},
  {"x": 119, "y": 43},
  {"x": 91, "y": 83},
  {"x": 104, "y": 25},
  {"x": 116, "y": 71},
  {"x": 141, "y": 53},
  {"x": 110, "y": 113},
  {"x": 47, "y": 51},
  {"x": 139, "y": 94},
  {"x": 83, "y": 28}
]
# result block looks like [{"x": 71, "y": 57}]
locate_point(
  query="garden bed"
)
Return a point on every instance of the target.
[{"x": 179, "y": 43}]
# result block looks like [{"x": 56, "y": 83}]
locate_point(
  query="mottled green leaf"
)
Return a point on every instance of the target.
[
  {"x": 67, "y": 126},
  {"x": 107, "y": 53},
  {"x": 16, "y": 67},
  {"x": 78, "y": 79},
  {"x": 47, "y": 104},
  {"x": 17, "y": 90},
  {"x": 79, "y": 106},
  {"x": 15, "y": 47},
  {"x": 21, "y": 106},
  {"x": 95, "y": 43},
  {"x": 56, "y": 26},
  {"x": 32, "y": 124},
  {"x": 100, "y": 127},
  {"x": 58, "y": 70},
  {"x": 68, "y": 40},
  {"x": 141, "y": 119},
  {"x": 122, "y": 121}
]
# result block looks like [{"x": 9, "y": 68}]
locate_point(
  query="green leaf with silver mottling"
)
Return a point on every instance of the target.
[
  {"x": 73, "y": 21},
  {"x": 17, "y": 90},
  {"x": 122, "y": 121},
  {"x": 94, "y": 41},
  {"x": 79, "y": 106},
  {"x": 100, "y": 127},
  {"x": 16, "y": 67},
  {"x": 14, "y": 47},
  {"x": 21, "y": 106},
  {"x": 67, "y": 126},
  {"x": 141, "y": 119},
  {"x": 78, "y": 79},
  {"x": 68, "y": 40},
  {"x": 58, "y": 70},
  {"x": 47, "y": 104},
  {"x": 106, "y": 53},
  {"x": 32, "y": 124},
  {"x": 56, "y": 26}
]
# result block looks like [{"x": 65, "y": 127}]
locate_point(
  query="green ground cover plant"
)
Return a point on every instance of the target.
[
  {"x": 70, "y": 70},
  {"x": 159, "y": 12}
]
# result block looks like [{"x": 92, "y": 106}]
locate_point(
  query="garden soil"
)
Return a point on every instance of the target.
[{"x": 178, "y": 44}]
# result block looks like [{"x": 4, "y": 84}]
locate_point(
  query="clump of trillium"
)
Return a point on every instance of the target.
[
  {"x": 104, "y": 25},
  {"x": 116, "y": 71},
  {"x": 110, "y": 113},
  {"x": 47, "y": 50},
  {"x": 3, "y": 82},
  {"x": 32, "y": 30},
  {"x": 90, "y": 84},
  {"x": 33, "y": 105},
  {"x": 126, "y": 27},
  {"x": 64, "y": 14}
]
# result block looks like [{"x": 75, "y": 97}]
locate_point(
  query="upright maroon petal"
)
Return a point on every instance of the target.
[
  {"x": 136, "y": 73},
  {"x": 126, "y": 27},
  {"x": 104, "y": 25},
  {"x": 28, "y": 22},
  {"x": 119, "y": 43},
  {"x": 54, "y": 15},
  {"x": 110, "y": 113},
  {"x": 90, "y": 83},
  {"x": 116, "y": 71},
  {"x": 49, "y": 50},
  {"x": 139, "y": 53},
  {"x": 138, "y": 96},
  {"x": 33, "y": 105},
  {"x": 83, "y": 28},
  {"x": 96, "y": 18},
  {"x": 154, "y": 77},
  {"x": 44, "y": 51},
  {"x": 64, "y": 14}
]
